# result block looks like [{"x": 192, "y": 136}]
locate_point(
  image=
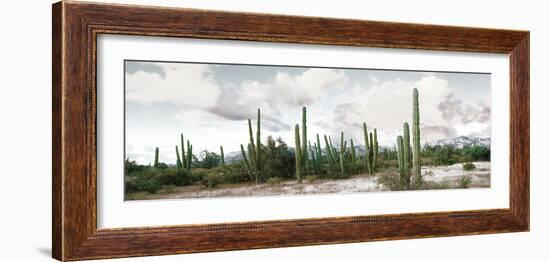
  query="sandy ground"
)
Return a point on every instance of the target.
[
  {"x": 359, "y": 183},
  {"x": 481, "y": 175}
]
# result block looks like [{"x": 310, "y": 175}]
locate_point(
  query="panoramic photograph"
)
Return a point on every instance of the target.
[{"x": 205, "y": 130}]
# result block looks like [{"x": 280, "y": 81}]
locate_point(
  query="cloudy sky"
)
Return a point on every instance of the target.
[{"x": 210, "y": 104}]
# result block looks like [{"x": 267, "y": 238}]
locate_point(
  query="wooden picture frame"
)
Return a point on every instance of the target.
[{"x": 76, "y": 26}]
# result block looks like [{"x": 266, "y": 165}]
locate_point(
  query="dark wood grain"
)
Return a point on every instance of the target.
[{"x": 76, "y": 26}]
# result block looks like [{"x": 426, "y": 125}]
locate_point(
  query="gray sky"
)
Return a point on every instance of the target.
[{"x": 210, "y": 104}]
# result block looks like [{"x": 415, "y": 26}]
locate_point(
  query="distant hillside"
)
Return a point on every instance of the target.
[{"x": 462, "y": 141}]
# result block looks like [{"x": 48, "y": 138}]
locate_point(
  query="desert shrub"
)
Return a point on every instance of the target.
[
  {"x": 468, "y": 166},
  {"x": 211, "y": 180},
  {"x": 169, "y": 189},
  {"x": 464, "y": 182},
  {"x": 145, "y": 180},
  {"x": 310, "y": 179},
  {"x": 431, "y": 185},
  {"x": 274, "y": 180},
  {"x": 389, "y": 180}
]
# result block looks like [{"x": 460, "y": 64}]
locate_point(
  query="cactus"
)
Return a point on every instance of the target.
[
  {"x": 298, "y": 152},
  {"x": 406, "y": 181},
  {"x": 222, "y": 156},
  {"x": 367, "y": 149},
  {"x": 189, "y": 155},
  {"x": 400, "y": 159},
  {"x": 246, "y": 163},
  {"x": 253, "y": 161},
  {"x": 375, "y": 150},
  {"x": 342, "y": 151},
  {"x": 304, "y": 140},
  {"x": 183, "y": 157},
  {"x": 178, "y": 161},
  {"x": 330, "y": 155},
  {"x": 251, "y": 146},
  {"x": 318, "y": 151},
  {"x": 352, "y": 151},
  {"x": 416, "y": 140},
  {"x": 156, "y": 163}
]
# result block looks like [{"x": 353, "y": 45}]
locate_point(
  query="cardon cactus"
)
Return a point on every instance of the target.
[
  {"x": 247, "y": 163},
  {"x": 253, "y": 161},
  {"x": 183, "y": 158},
  {"x": 416, "y": 140},
  {"x": 342, "y": 151},
  {"x": 400, "y": 159},
  {"x": 406, "y": 181},
  {"x": 368, "y": 159},
  {"x": 222, "y": 159},
  {"x": 374, "y": 150},
  {"x": 298, "y": 152},
  {"x": 178, "y": 159},
  {"x": 156, "y": 163},
  {"x": 371, "y": 149},
  {"x": 331, "y": 158},
  {"x": 305, "y": 157}
]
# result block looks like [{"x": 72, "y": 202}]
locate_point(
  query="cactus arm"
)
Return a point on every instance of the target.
[
  {"x": 400, "y": 159},
  {"x": 367, "y": 148},
  {"x": 183, "y": 158},
  {"x": 375, "y": 150},
  {"x": 298, "y": 149},
  {"x": 156, "y": 163},
  {"x": 222, "y": 156},
  {"x": 178, "y": 159},
  {"x": 416, "y": 139},
  {"x": 246, "y": 163},
  {"x": 342, "y": 150},
  {"x": 252, "y": 148},
  {"x": 406, "y": 155}
]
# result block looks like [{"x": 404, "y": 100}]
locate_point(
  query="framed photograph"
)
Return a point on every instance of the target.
[{"x": 182, "y": 130}]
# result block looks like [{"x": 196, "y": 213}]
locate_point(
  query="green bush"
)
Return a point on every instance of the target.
[
  {"x": 468, "y": 166},
  {"x": 274, "y": 180},
  {"x": 211, "y": 180},
  {"x": 464, "y": 182},
  {"x": 145, "y": 180},
  {"x": 310, "y": 179}
]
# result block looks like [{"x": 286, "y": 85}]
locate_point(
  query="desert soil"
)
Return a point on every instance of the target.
[{"x": 358, "y": 183}]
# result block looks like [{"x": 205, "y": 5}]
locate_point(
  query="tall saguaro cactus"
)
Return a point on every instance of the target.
[
  {"x": 222, "y": 156},
  {"x": 253, "y": 161},
  {"x": 304, "y": 140},
  {"x": 178, "y": 161},
  {"x": 416, "y": 139},
  {"x": 189, "y": 155},
  {"x": 406, "y": 181},
  {"x": 298, "y": 152},
  {"x": 342, "y": 151},
  {"x": 368, "y": 161},
  {"x": 183, "y": 158},
  {"x": 374, "y": 150},
  {"x": 400, "y": 159},
  {"x": 156, "y": 163},
  {"x": 331, "y": 157},
  {"x": 247, "y": 163}
]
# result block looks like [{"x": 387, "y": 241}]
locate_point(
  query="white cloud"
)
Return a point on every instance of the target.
[
  {"x": 388, "y": 105},
  {"x": 183, "y": 84},
  {"x": 305, "y": 88}
]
